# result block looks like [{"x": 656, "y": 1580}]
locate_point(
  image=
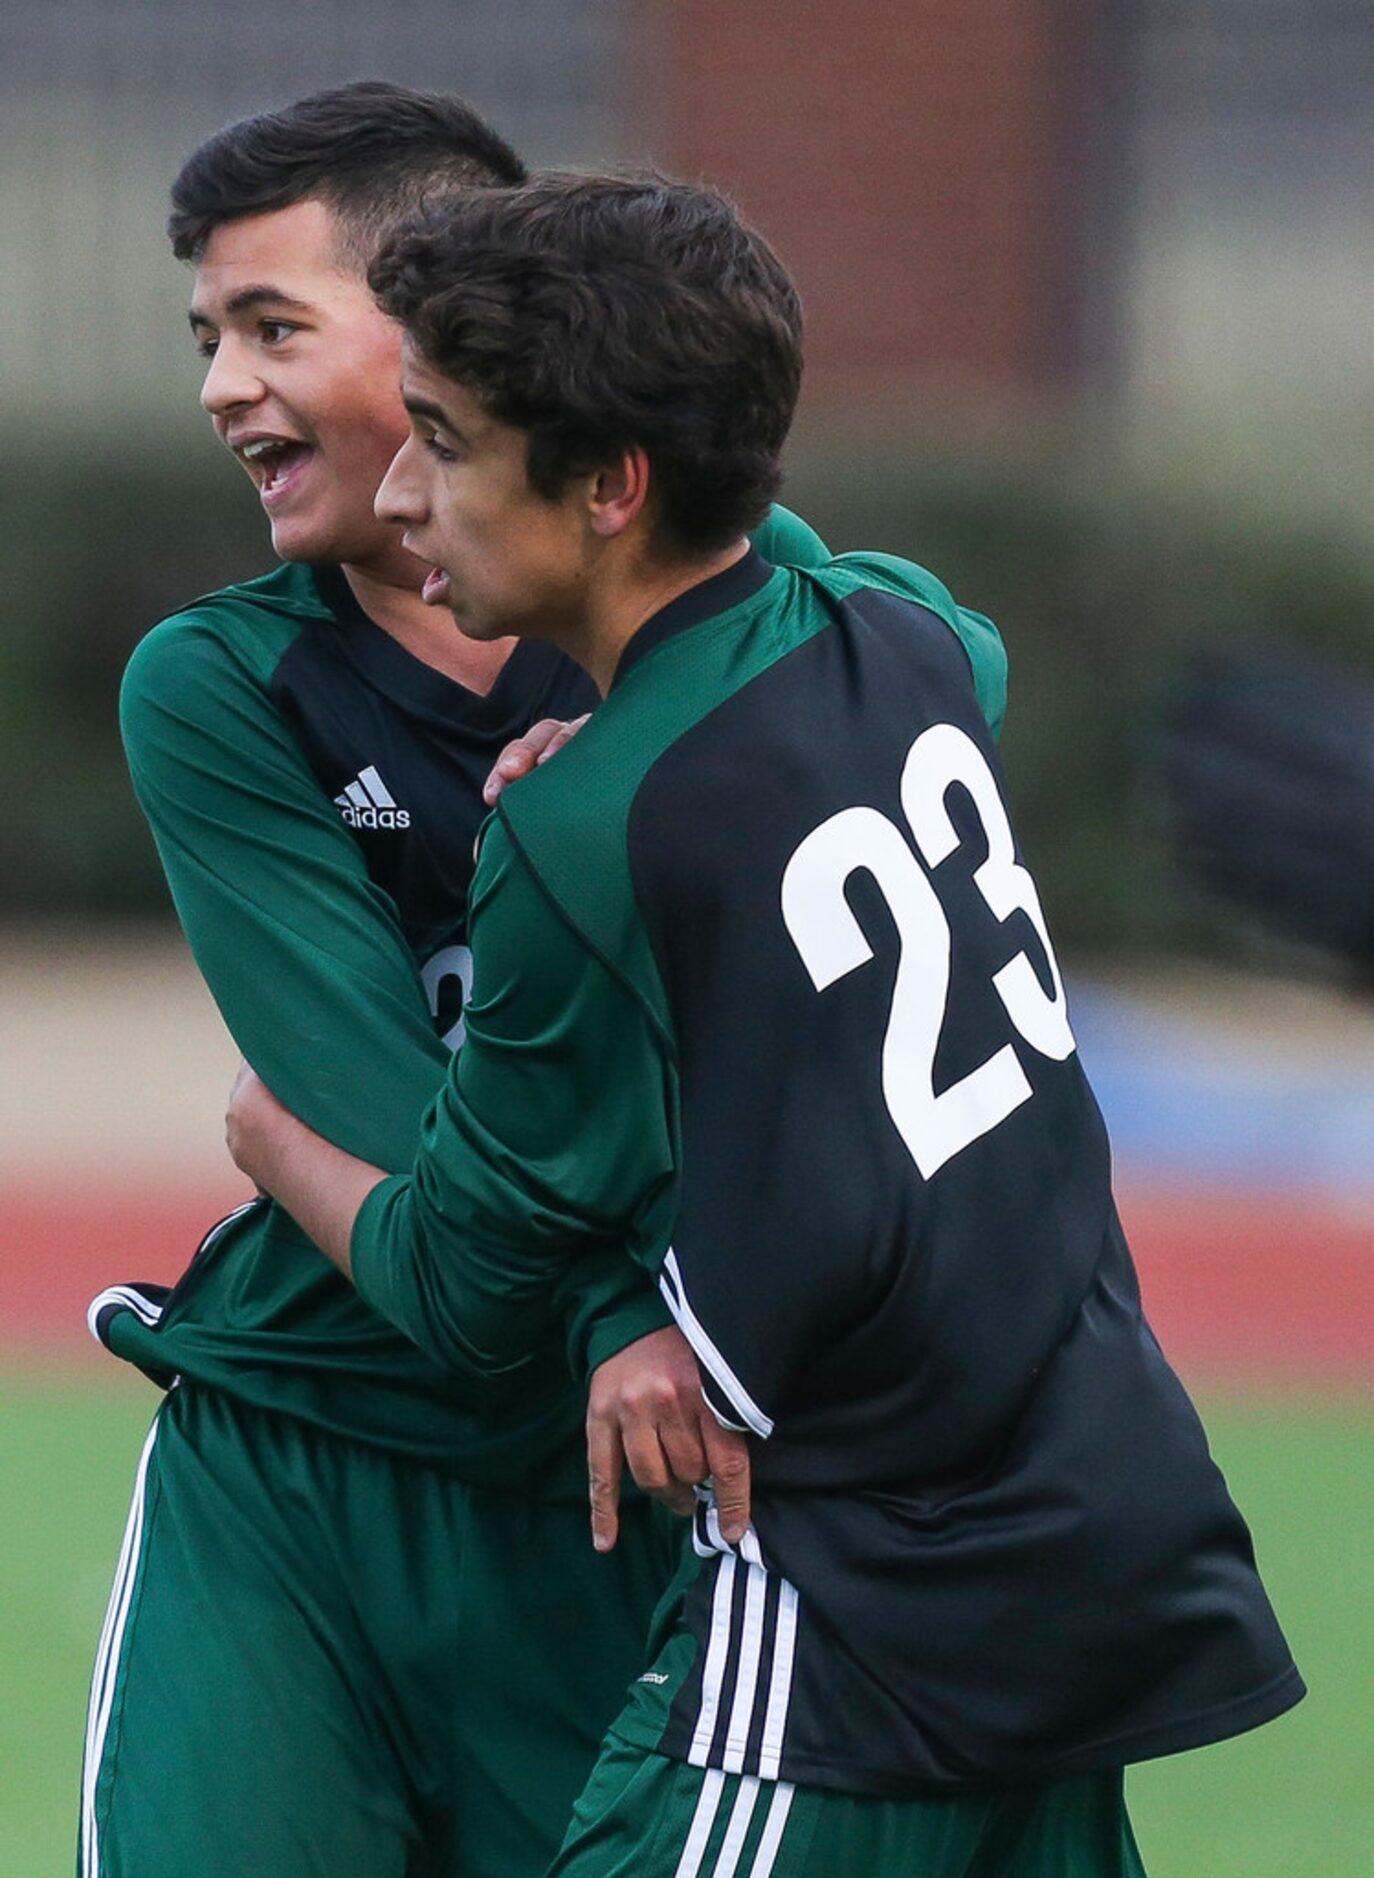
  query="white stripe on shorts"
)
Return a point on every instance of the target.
[
  {"x": 699, "y": 1832},
  {"x": 732, "y": 1846},
  {"x": 771, "y": 1841},
  {"x": 106, "y": 1671},
  {"x": 692, "y": 1864}
]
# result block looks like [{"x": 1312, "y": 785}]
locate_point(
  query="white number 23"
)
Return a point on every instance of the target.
[{"x": 935, "y": 1127}]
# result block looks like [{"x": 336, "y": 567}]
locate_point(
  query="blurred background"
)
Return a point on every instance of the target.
[{"x": 1087, "y": 285}]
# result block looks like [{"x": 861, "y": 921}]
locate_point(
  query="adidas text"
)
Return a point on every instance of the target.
[{"x": 374, "y": 818}]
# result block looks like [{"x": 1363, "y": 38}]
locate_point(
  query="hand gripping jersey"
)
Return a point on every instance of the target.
[
  {"x": 762, "y": 987},
  {"x": 315, "y": 792}
]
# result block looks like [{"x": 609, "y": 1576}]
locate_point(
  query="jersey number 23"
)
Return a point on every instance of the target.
[{"x": 934, "y": 1126}]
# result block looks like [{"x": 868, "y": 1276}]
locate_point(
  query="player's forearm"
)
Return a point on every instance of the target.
[
  {"x": 471, "y": 1302},
  {"x": 319, "y": 1185},
  {"x": 473, "y": 1314}
]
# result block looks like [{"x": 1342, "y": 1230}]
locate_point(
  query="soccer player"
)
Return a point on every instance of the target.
[
  {"x": 763, "y": 990},
  {"x": 357, "y": 1611}
]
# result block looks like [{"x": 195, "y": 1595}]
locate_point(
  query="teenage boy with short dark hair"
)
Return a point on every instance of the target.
[
  {"x": 310, "y": 749},
  {"x": 763, "y": 992}
]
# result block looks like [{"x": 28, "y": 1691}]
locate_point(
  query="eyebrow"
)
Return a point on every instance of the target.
[
  {"x": 259, "y": 294},
  {"x": 425, "y": 407}
]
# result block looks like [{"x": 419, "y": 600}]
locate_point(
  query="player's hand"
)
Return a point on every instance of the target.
[
  {"x": 645, "y": 1409},
  {"x": 543, "y": 740}
]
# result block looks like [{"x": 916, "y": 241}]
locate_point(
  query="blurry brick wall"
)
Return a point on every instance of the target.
[{"x": 934, "y": 173}]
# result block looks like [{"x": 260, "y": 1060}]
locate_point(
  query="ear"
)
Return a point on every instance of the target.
[{"x": 619, "y": 494}]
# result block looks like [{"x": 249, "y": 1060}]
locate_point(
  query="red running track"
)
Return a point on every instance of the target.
[
  {"x": 1254, "y": 1287},
  {"x": 1242, "y": 1288}
]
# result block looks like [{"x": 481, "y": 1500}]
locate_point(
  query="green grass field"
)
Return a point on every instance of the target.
[{"x": 1294, "y": 1800}]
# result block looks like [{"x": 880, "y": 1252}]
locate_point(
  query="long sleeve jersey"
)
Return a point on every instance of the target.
[
  {"x": 315, "y": 791},
  {"x": 763, "y": 991}
]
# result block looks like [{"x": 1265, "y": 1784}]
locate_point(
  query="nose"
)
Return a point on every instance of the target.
[
  {"x": 400, "y": 497},
  {"x": 230, "y": 380}
]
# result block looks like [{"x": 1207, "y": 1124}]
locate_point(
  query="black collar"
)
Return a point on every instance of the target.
[
  {"x": 418, "y": 687},
  {"x": 739, "y": 582}
]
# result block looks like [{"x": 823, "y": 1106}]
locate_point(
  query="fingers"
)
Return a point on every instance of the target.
[
  {"x": 665, "y": 1461},
  {"x": 728, "y": 1456},
  {"x": 605, "y": 1460},
  {"x": 539, "y": 743},
  {"x": 564, "y": 734},
  {"x": 671, "y": 1458},
  {"x": 520, "y": 757},
  {"x": 684, "y": 1458},
  {"x": 665, "y": 1458},
  {"x": 646, "y": 1411}
]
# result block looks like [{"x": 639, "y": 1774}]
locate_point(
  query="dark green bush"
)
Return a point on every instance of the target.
[
  {"x": 94, "y": 552},
  {"x": 1097, "y": 590}
]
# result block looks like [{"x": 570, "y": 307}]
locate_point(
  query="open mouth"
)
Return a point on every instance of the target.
[
  {"x": 435, "y": 590},
  {"x": 275, "y": 464}
]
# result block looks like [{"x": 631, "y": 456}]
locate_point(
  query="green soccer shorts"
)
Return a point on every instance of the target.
[
  {"x": 321, "y": 1660},
  {"x": 644, "y": 1816}
]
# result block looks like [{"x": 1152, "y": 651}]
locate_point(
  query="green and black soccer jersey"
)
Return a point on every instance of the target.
[
  {"x": 763, "y": 989},
  {"x": 315, "y": 792}
]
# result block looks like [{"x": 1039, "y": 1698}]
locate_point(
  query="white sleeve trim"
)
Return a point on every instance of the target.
[{"x": 752, "y": 1418}]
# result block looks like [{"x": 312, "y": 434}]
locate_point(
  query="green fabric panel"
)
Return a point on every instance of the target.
[
  {"x": 552, "y": 1130},
  {"x": 787, "y": 541}
]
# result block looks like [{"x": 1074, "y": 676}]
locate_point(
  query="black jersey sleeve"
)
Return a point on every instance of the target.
[{"x": 975, "y": 632}]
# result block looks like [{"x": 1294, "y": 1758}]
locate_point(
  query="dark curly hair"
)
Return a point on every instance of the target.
[
  {"x": 375, "y": 153},
  {"x": 598, "y": 313}
]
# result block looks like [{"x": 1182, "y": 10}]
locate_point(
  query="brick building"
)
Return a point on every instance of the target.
[{"x": 938, "y": 175}]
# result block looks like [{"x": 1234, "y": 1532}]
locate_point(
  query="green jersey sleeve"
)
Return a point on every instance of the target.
[
  {"x": 980, "y": 638},
  {"x": 304, "y": 956},
  {"x": 552, "y": 1131},
  {"x": 787, "y": 541}
]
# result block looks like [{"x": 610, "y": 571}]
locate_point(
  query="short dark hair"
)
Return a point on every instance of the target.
[
  {"x": 375, "y": 153},
  {"x": 598, "y": 313}
]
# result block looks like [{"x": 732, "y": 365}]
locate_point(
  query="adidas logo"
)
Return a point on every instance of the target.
[{"x": 368, "y": 803}]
